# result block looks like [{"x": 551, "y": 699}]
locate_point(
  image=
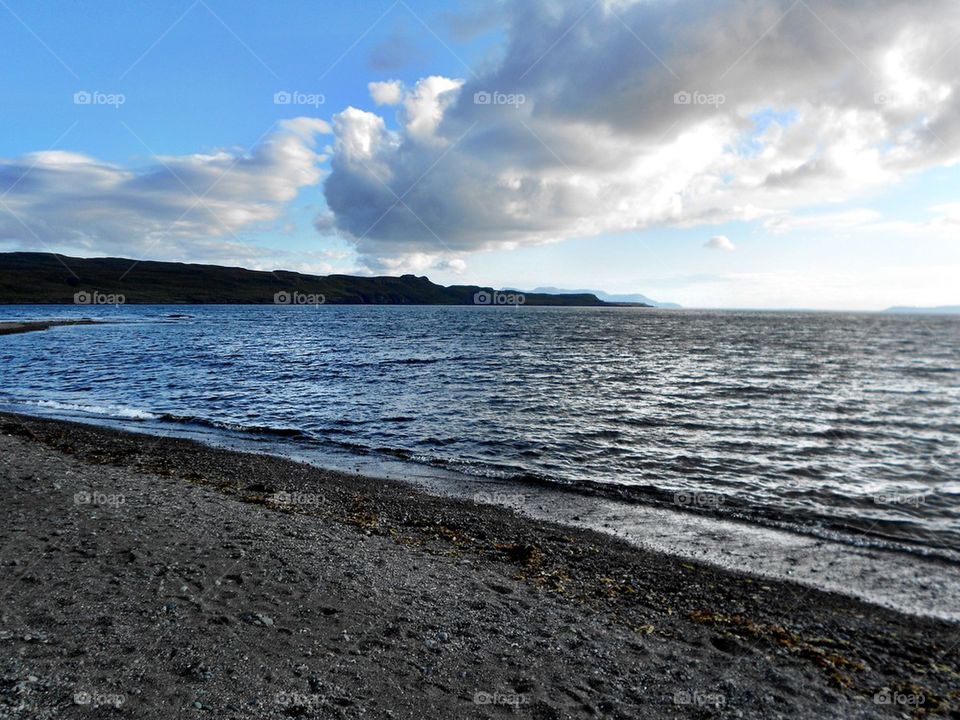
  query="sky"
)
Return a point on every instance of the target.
[{"x": 752, "y": 153}]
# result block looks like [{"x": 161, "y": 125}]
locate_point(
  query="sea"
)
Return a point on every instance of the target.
[{"x": 839, "y": 428}]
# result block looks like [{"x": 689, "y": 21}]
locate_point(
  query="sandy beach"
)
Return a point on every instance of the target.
[{"x": 154, "y": 578}]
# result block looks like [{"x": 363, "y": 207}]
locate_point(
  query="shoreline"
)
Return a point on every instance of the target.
[
  {"x": 422, "y": 578},
  {"x": 15, "y": 327},
  {"x": 887, "y": 576}
]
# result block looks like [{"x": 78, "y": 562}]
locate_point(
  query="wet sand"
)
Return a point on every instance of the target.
[{"x": 156, "y": 577}]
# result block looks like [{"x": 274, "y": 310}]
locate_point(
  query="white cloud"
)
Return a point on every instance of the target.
[
  {"x": 720, "y": 242},
  {"x": 189, "y": 205},
  {"x": 942, "y": 223},
  {"x": 834, "y": 221},
  {"x": 819, "y": 109},
  {"x": 947, "y": 214},
  {"x": 454, "y": 265},
  {"x": 425, "y": 105},
  {"x": 389, "y": 92}
]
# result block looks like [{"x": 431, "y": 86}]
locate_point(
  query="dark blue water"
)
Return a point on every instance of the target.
[{"x": 844, "y": 425}]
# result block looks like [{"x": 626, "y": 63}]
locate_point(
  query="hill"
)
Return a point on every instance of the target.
[{"x": 40, "y": 278}]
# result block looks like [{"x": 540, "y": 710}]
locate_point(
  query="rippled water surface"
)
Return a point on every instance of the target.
[{"x": 826, "y": 423}]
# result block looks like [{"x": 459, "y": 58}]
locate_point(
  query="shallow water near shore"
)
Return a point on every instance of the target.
[{"x": 806, "y": 429}]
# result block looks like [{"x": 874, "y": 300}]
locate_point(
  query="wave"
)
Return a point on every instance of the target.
[
  {"x": 857, "y": 532},
  {"x": 881, "y": 533},
  {"x": 122, "y": 412},
  {"x": 285, "y": 432}
]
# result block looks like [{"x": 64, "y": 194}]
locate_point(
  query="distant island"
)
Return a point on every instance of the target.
[
  {"x": 630, "y": 299},
  {"x": 938, "y": 310},
  {"x": 46, "y": 278}
]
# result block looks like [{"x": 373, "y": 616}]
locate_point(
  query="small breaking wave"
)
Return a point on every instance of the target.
[
  {"x": 284, "y": 432},
  {"x": 111, "y": 411}
]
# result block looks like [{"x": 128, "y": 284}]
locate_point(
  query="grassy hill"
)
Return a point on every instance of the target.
[{"x": 30, "y": 278}]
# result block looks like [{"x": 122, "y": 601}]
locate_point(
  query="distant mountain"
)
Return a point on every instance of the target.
[
  {"x": 41, "y": 278},
  {"x": 636, "y": 298},
  {"x": 939, "y": 310}
]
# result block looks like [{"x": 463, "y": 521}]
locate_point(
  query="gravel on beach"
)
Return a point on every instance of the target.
[{"x": 152, "y": 577}]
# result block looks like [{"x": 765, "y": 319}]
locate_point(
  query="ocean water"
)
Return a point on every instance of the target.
[{"x": 841, "y": 426}]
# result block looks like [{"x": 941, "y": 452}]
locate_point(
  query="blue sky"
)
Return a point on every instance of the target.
[{"x": 573, "y": 166}]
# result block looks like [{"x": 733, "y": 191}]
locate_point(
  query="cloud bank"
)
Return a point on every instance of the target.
[
  {"x": 184, "y": 206},
  {"x": 621, "y": 115}
]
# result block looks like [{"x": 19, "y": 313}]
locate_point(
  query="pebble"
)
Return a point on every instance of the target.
[{"x": 255, "y": 618}]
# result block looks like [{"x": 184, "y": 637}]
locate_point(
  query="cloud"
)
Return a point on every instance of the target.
[
  {"x": 942, "y": 223},
  {"x": 947, "y": 214},
  {"x": 720, "y": 242},
  {"x": 833, "y": 221},
  {"x": 424, "y": 108},
  {"x": 638, "y": 114},
  {"x": 473, "y": 18},
  {"x": 454, "y": 265},
  {"x": 188, "y": 205},
  {"x": 389, "y": 92},
  {"x": 397, "y": 50}
]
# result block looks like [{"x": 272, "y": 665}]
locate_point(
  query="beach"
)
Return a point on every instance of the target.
[{"x": 156, "y": 577}]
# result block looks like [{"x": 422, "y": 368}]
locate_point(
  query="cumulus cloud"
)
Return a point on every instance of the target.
[
  {"x": 389, "y": 92},
  {"x": 638, "y": 113},
  {"x": 188, "y": 205},
  {"x": 720, "y": 242}
]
